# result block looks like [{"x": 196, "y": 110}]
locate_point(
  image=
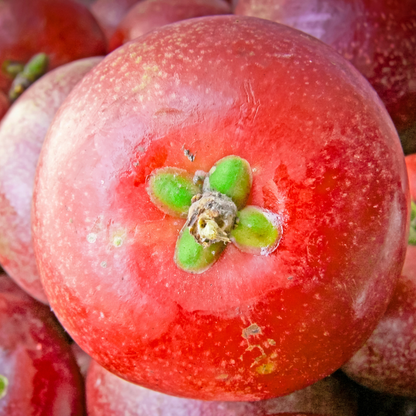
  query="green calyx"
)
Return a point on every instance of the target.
[
  {"x": 215, "y": 214},
  {"x": 171, "y": 190},
  {"x": 4, "y": 383},
  {"x": 256, "y": 231},
  {"x": 232, "y": 177},
  {"x": 192, "y": 256},
  {"x": 32, "y": 71},
  {"x": 412, "y": 231}
]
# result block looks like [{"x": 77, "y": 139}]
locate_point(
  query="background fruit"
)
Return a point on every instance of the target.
[
  {"x": 42, "y": 375},
  {"x": 63, "y": 29},
  {"x": 22, "y": 132}
]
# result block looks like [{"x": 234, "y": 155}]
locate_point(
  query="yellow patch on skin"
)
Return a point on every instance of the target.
[
  {"x": 222, "y": 377},
  {"x": 266, "y": 368}
]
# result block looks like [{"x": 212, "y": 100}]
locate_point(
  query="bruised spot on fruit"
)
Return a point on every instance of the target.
[
  {"x": 257, "y": 231},
  {"x": 171, "y": 190},
  {"x": 266, "y": 368},
  {"x": 231, "y": 176},
  {"x": 193, "y": 257},
  {"x": 251, "y": 330},
  {"x": 412, "y": 231},
  {"x": 4, "y": 383}
]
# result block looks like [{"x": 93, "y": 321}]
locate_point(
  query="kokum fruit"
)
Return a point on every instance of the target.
[{"x": 299, "y": 146}]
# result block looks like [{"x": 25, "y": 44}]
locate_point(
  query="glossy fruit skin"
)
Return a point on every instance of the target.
[
  {"x": 109, "y": 14},
  {"x": 377, "y": 36},
  {"x": 4, "y": 105},
  {"x": 36, "y": 358},
  {"x": 148, "y": 15},
  {"x": 110, "y": 395},
  {"x": 22, "y": 133},
  {"x": 63, "y": 29},
  {"x": 387, "y": 361},
  {"x": 325, "y": 157}
]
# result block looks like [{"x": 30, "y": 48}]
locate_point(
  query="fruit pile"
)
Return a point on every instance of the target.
[{"x": 208, "y": 207}]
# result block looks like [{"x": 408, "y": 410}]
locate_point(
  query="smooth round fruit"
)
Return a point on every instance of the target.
[
  {"x": 110, "y": 395},
  {"x": 151, "y": 14},
  {"x": 63, "y": 29},
  {"x": 22, "y": 133},
  {"x": 377, "y": 36},
  {"x": 38, "y": 373},
  {"x": 325, "y": 160}
]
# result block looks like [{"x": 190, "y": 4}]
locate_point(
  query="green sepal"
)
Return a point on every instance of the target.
[
  {"x": 257, "y": 231},
  {"x": 4, "y": 383},
  {"x": 232, "y": 176},
  {"x": 412, "y": 231},
  {"x": 193, "y": 257},
  {"x": 171, "y": 190},
  {"x": 32, "y": 71}
]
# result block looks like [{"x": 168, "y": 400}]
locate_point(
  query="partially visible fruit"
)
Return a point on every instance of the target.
[
  {"x": 150, "y": 14},
  {"x": 38, "y": 373},
  {"x": 22, "y": 132},
  {"x": 62, "y": 29},
  {"x": 109, "y": 14},
  {"x": 109, "y": 395}
]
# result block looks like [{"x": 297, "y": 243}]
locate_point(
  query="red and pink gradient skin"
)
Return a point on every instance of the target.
[
  {"x": 4, "y": 104},
  {"x": 109, "y": 395},
  {"x": 387, "y": 361},
  {"x": 22, "y": 133},
  {"x": 325, "y": 158},
  {"x": 148, "y": 15},
  {"x": 63, "y": 29},
  {"x": 43, "y": 377},
  {"x": 377, "y": 36}
]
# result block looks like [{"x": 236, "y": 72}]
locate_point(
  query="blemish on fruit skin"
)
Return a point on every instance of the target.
[
  {"x": 253, "y": 329},
  {"x": 92, "y": 238},
  {"x": 266, "y": 368}
]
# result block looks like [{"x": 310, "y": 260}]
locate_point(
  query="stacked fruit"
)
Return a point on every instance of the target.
[{"x": 217, "y": 212}]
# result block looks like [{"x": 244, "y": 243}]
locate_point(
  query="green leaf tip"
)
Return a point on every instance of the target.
[
  {"x": 4, "y": 383},
  {"x": 171, "y": 190},
  {"x": 232, "y": 176},
  {"x": 192, "y": 257},
  {"x": 412, "y": 231},
  {"x": 257, "y": 231}
]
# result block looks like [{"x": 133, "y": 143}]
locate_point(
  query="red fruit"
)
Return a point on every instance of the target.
[
  {"x": 4, "y": 104},
  {"x": 22, "y": 132},
  {"x": 377, "y": 36},
  {"x": 38, "y": 373},
  {"x": 387, "y": 361},
  {"x": 148, "y": 15},
  {"x": 63, "y": 29},
  {"x": 110, "y": 395},
  {"x": 109, "y": 14},
  {"x": 324, "y": 159}
]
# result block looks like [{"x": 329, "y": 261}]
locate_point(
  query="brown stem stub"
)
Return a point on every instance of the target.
[{"x": 211, "y": 218}]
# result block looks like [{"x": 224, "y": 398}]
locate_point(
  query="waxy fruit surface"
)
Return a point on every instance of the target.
[{"x": 324, "y": 158}]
